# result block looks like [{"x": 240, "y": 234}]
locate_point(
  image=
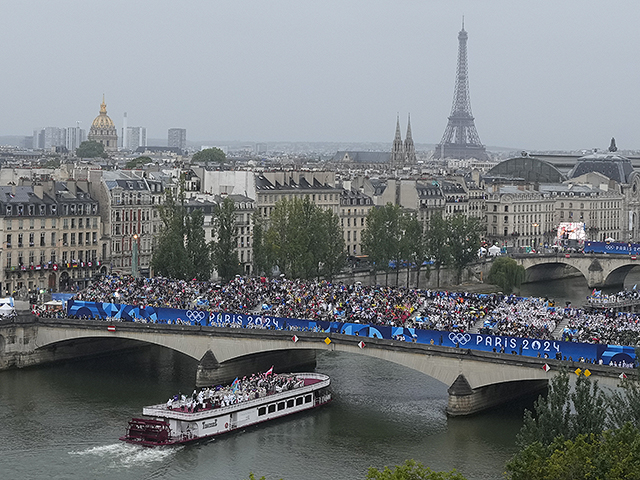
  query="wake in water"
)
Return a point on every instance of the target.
[{"x": 126, "y": 455}]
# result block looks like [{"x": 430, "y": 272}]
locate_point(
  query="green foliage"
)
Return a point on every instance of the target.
[
  {"x": 225, "y": 253},
  {"x": 209, "y": 155},
  {"x": 506, "y": 273},
  {"x": 411, "y": 470},
  {"x": 611, "y": 455},
  {"x": 90, "y": 149},
  {"x": 261, "y": 261},
  {"x": 302, "y": 240},
  {"x": 198, "y": 252},
  {"x": 412, "y": 243},
  {"x": 138, "y": 162},
  {"x": 463, "y": 241},
  {"x": 181, "y": 251},
  {"x": 381, "y": 237},
  {"x": 624, "y": 404},
  {"x": 52, "y": 163},
  {"x": 436, "y": 241},
  {"x": 563, "y": 413}
]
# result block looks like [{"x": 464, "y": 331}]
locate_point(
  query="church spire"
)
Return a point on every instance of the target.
[
  {"x": 409, "y": 147},
  {"x": 397, "y": 151}
]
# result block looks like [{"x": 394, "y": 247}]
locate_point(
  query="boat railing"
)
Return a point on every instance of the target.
[{"x": 161, "y": 409}]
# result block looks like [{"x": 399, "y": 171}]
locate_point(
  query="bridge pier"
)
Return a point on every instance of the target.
[
  {"x": 211, "y": 372},
  {"x": 464, "y": 400}
]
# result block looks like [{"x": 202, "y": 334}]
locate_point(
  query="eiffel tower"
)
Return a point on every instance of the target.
[{"x": 460, "y": 139}]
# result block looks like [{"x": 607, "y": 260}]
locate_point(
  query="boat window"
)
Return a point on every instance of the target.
[
  {"x": 307, "y": 399},
  {"x": 299, "y": 401},
  {"x": 281, "y": 406},
  {"x": 262, "y": 411},
  {"x": 290, "y": 403},
  {"x": 272, "y": 408}
]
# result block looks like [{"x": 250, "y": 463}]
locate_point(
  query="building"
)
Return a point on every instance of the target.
[
  {"x": 177, "y": 137},
  {"x": 244, "y": 208},
  {"x": 51, "y": 237},
  {"x": 129, "y": 214},
  {"x": 103, "y": 130},
  {"x": 135, "y": 137},
  {"x": 75, "y": 136},
  {"x": 354, "y": 208}
]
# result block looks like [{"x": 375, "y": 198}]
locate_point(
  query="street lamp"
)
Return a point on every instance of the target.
[{"x": 134, "y": 260}]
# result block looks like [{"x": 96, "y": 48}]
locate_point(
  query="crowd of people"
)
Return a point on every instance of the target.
[
  {"x": 495, "y": 314},
  {"x": 241, "y": 390}
]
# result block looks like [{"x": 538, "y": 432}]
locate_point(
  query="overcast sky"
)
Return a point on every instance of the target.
[{"x": 544, "y": 75}]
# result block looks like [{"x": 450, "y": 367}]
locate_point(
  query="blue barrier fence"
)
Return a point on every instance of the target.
[{"x": 475, "y": 341}]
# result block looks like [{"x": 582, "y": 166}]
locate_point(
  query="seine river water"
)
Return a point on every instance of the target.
[{"x": 63, "y": 421}]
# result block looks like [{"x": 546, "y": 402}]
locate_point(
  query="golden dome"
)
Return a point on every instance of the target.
[{"x": 103, "y": 121}]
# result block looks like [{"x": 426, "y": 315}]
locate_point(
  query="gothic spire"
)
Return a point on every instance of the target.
[
  {"x": 397, "y": 151},
  {"x": 409, "y": 148}
]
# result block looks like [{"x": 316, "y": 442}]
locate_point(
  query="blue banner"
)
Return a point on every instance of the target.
[{"x": 530, "y": 347}]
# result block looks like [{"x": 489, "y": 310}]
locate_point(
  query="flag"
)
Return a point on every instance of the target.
[
  {"x": 622, "y": 376},
  {"x": 234, "y": 383},
  {"x": 270, "y": 371}
]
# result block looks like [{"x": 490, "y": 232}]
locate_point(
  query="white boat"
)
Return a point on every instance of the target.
[{"x": 216, "y": 411}]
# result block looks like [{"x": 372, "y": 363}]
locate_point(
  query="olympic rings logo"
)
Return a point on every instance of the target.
[
  {"x": 461, "y": 338},
  {"x": 196, "y": 315}
]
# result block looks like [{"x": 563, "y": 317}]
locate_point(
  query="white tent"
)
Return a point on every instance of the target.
[
  {"x": 494, "y": 250},
  {"x": 6, "y": 310}
]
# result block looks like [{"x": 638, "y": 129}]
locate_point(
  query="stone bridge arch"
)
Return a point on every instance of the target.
[{"x": 598, "y": 270}]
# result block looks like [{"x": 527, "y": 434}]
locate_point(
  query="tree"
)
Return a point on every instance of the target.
[
  {"x": 90, "y": 149},
  {"x": 412, "y": 244},
  {"x": 181, "y": 251},
  {"x": 198, "y": 251},
  {"x": 302, "y": 240},
  {"x": 381, "y": 237},
  {"x": 225, "y": 253},
  {"x": 611, "y": 455},
  {"x": 261, "y": 262},
  {"x": 209, "y": 155},
  {"x": 506, "y": 273},
  {"x": 170, "y": 258},
  {"x": 138, "y": 162},
  {"x": 436, "y": 243},
  {"x": 563, "y": 413},
  {"x": 463, "y": 242},
  {"x": 411, "y": 470},
  {"x": 624, "y": 404},
  {"x": 328, "y": 242}
]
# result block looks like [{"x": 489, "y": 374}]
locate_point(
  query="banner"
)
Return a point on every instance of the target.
[{"x": 530, "y": 347}]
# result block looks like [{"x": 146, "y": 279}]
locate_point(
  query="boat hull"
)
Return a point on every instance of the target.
[{"x": 172, "y": 427}]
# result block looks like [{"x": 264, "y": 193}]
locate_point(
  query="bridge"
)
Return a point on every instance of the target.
[
  {"x": 477, "y": 380},
  {"x": 599, "y": 270}
]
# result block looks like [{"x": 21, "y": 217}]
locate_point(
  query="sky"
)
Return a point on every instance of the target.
[{"x": 544, "y": 75}]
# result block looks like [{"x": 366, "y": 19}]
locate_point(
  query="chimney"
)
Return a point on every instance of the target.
[{"x": 38, "y": 191}]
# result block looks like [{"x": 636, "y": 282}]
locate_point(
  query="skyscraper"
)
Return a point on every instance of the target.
[
  {"x": 135, "y": 137},
  {"x": 460, "y": 139},
  {"x": 177, "y": 137},
  {"x": 75, "y": 136}
]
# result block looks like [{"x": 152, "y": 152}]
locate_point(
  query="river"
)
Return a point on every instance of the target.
[{"x": 63, "y": 421}]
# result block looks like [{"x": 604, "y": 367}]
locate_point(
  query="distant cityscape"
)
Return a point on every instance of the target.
[{"x": 65, "y": 219}]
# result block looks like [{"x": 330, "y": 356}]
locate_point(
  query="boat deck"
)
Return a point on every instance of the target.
[{"x": 182, "y": 413}]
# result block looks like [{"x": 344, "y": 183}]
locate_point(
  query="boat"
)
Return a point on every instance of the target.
[{"x": 219, "y": 410}]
